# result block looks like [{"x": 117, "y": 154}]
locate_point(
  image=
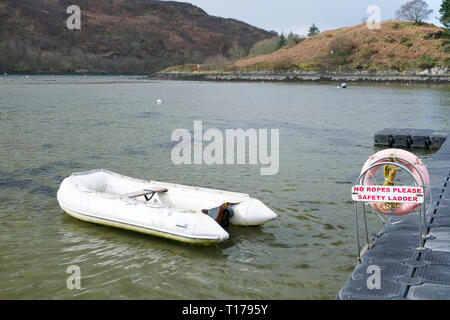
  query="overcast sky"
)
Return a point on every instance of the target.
[{"x": 299, "y": 15}]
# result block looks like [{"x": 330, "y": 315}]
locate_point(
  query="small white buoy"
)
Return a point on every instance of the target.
[
  {"x": 26, "y": 77},
  {"x": 159, "y": 101},
  {"x": 344, "y": 86}
]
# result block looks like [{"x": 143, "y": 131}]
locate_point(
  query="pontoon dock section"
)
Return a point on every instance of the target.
[{"x": 404, "y": 271}]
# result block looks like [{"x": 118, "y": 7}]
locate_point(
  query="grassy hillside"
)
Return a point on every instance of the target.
[
  {"x": 116, "y": 36},
  {"x": 398, "y": 45}
]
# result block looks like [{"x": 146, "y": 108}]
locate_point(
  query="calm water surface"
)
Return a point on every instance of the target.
[{"x": 49, "y": 130}]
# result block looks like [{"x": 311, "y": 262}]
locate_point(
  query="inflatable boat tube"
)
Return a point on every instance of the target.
[{"x": 162, "y": 209}]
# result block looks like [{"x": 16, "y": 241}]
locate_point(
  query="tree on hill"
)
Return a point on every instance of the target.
[
  {"x": 313, "y": 30},
  {"x": 445, "y": 13},
  {"x": 265, "y": 46},
  {"x": 236, "y": 52},
  {"x": 415, "y": 11},
  {"x": 281, "y": 41},
  {"x": 293, "y": 39}
]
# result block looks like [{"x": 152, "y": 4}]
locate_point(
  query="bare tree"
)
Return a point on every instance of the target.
[{"x": 415, "y": 11}]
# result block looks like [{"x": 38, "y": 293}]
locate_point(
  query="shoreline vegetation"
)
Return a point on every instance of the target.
[
  {"x": 71, "y": 78},
  {"x": 432, "y": 76},
  {"x": 381, "y": 77}
]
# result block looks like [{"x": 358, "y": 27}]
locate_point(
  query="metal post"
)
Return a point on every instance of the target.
[
  {"x": 420, "y": 248},
  {"x": 425, "y": 229},
  {"x": 365, "y": 225},
  {"x": 357, "y": 233}
]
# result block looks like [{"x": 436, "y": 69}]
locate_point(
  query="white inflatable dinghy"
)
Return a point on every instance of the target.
[{"x": 178, "y": 212}]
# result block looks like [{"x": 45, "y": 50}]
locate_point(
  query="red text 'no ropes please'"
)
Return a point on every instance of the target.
[{"x": 397, "y": 194}]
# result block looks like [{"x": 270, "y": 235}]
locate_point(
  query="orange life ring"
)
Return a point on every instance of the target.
[{"x": 402, "y": 157}]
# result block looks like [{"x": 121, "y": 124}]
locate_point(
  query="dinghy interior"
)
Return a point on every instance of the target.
[{"x": 179, "y": 212}]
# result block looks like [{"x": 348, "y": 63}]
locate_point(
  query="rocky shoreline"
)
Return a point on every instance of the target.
[{"x": 432, "y": 76}]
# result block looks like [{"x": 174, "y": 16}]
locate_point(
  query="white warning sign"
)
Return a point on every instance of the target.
[{"x": 397, "y": 194}]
